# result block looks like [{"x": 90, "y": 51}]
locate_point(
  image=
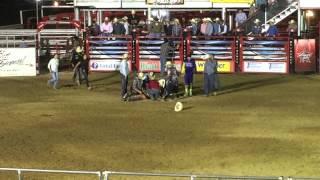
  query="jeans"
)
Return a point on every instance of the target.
[
  {"x": 83, "y": 73},
  {"x": 154, "y": 93},
  {"x": 124, "y": 84},
  {"x": 54, "y": 79},
  {"x": 211, "y": 83},
  {"x": 163, "y": 60}
]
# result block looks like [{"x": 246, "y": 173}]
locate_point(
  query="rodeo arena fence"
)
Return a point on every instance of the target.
[
  {"x": 21, "y": 174},
  {"x": 26, "y": 52}
]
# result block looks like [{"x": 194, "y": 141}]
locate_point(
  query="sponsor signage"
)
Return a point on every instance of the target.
[
  {"x": 165, "y": 2},
  {"x": 232, "y": 1},
  {"x": 305, "y": 55},
  {"x": 18, "y": 62},
  {"x": 105, "y": 65},
  {"x": 154, "y": 66},
  {"x": 264, "y": 67},
  {"x": 308, "y": 4},
  {"x": 223, "y": 66}
]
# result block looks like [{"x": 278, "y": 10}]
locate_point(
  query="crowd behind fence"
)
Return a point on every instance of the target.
[{"x": 20, "y": 174}]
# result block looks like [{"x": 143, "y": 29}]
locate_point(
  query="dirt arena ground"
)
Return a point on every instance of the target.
[{"x": 258, "y": 125}]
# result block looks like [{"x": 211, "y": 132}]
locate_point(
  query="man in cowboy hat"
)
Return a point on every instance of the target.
[
  {"x": 273, "y": 30},
  {"x": 138, "y": 91},
  {"x": 77, "y": 57},
  {"x": 292, "y": 27},
  {"x": 256, "y": 29},
  {"x": 124, "y": 73},
  {"x": 211, "y": 81}
]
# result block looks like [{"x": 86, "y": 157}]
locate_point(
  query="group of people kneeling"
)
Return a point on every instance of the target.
[{"x": 147, "y": 86}]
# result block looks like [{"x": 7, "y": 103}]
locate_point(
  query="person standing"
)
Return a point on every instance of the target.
[
  {"x": 106, "y": 27},
  {"x": 84, "y": 71},
  {"x": 211, "y": 81},
  {"x": 273, "y": 30},
  {"x": 118, "y": 28},
  {"x": 256, "y": 29},
  {"x": 124, "y": 73},
  {"x": 165, "y": 48},
  {"x": 77, "y": 56},
  {"x": 241, "y": 17},
  {"x": 189, "y": 69},
  {"x": 53, "y": 67}
]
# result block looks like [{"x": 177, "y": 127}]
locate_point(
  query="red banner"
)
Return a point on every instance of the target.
[{"x": 305, "y": 55}]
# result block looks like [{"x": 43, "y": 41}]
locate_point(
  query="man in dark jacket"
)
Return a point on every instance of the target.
[{"x": 118, "y": 28}]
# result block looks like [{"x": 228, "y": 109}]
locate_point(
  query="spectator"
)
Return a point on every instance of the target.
[
  {"x": 256, "y": 29},
  {"x": 118, "y": 28},
  {"x": 124, "y": 73},
  {"x": 53, "y": 67},
  {"x": 292, "y": 27},
  {"x": 223, "y": 28},
  {"x": 194, "y": 27},
  {"x": 133, "y": 19},
  {"x": 211, "y": 81},
  {"x": 273, "y": 30},
  {"x": 261, "y": 4},
  {"x": 252, "y": 9},
  {"x": 153, "y": 87},
  {"x": 176, "y": 28},
  {"x": 216, "y": 27},
  {"x": 23, "y": 43},
  {"x": 106, "y": 27},
  {"x": 241, "y": 17},
  {"x": 126, "y": 25},
  {"x": 206, "y": 27},
  {"x": 156, "y": 28},
  {"x": 165, "y": 48},
  {"x": 189, "y": 68},
  {"x": 167, "y": 27},
  {"x": 94, "y": 28}
]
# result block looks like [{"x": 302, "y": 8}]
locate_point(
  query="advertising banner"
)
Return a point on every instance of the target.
[
  {"x": 223, "y": 66},
  {"x": 264, "y": 67},
  {"x": 232, "y": 1},
  {"x": 105, "y": 65},
  {"x": 305, "y": 55},
  {"x": 154, "y": 66},
  {"x": 17, "y": 62}
]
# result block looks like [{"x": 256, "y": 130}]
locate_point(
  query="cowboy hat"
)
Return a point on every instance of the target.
[
  {"x": 292, "y": 21},
  {"x": 79, "y": 49},
  {"x": 162, "y": 83},
  {"x": 178, "y": 107},
  {"x": 257, "y": 21},
  {"x": 125, "y": 18},
  {"x": 207, "y": 56},
  {"x": 140, "y": 75},
  {"x": 168, "y": 63},
  {"x": 217, "y": 19},
  {"x": 125, "y": 56},
  {"x": 209, "y": 19}
]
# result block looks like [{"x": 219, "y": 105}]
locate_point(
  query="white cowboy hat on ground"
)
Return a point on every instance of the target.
[{"x": 178, "y": 107}]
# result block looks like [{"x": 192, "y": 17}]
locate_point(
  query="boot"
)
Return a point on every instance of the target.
[
  {"x": 186, "y": 89},
  {"x": 190, "y": 90}
]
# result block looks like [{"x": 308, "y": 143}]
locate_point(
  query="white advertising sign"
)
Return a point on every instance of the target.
[
  {"x": 105, "y": 65},
  {"x": 17, "y": 62},
  {"x": 309, "y": 4},
  {"x": 265, "y": 67}
]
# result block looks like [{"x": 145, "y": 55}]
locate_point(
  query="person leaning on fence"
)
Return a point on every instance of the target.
[
  {"x": 118, "y": 28},
  {"x": 77, "y": 56},
  {"x": 211, "y": 81},
  {"x": 256, "y": 29},
  {"x": 124, "y": 74},
  {"x": 106, "y": 27},
  {"x": 53, "y": 67},
  {"x": 273, "y": 30},
  {"x": 94, "y": 28},
  {"x": 165, "y": 48}
]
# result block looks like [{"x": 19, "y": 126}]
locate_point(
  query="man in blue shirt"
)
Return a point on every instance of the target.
[
  {"x": 211, "y": 81},
  {"x": 190, "y": 69},
  {"x": 273, "y": 30}
]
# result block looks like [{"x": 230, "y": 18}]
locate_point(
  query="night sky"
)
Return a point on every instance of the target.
[{"x": 9, "y": 10}]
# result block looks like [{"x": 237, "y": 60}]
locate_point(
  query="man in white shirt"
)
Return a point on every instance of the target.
[
  {"x": 53, "y": 67},
  {"x": 124, "y": 73}
]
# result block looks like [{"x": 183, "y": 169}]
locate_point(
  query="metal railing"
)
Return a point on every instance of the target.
[{"x": 108, "y": 175}]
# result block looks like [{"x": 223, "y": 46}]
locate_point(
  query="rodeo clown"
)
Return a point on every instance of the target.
[{"x": 189, "y": 68}]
